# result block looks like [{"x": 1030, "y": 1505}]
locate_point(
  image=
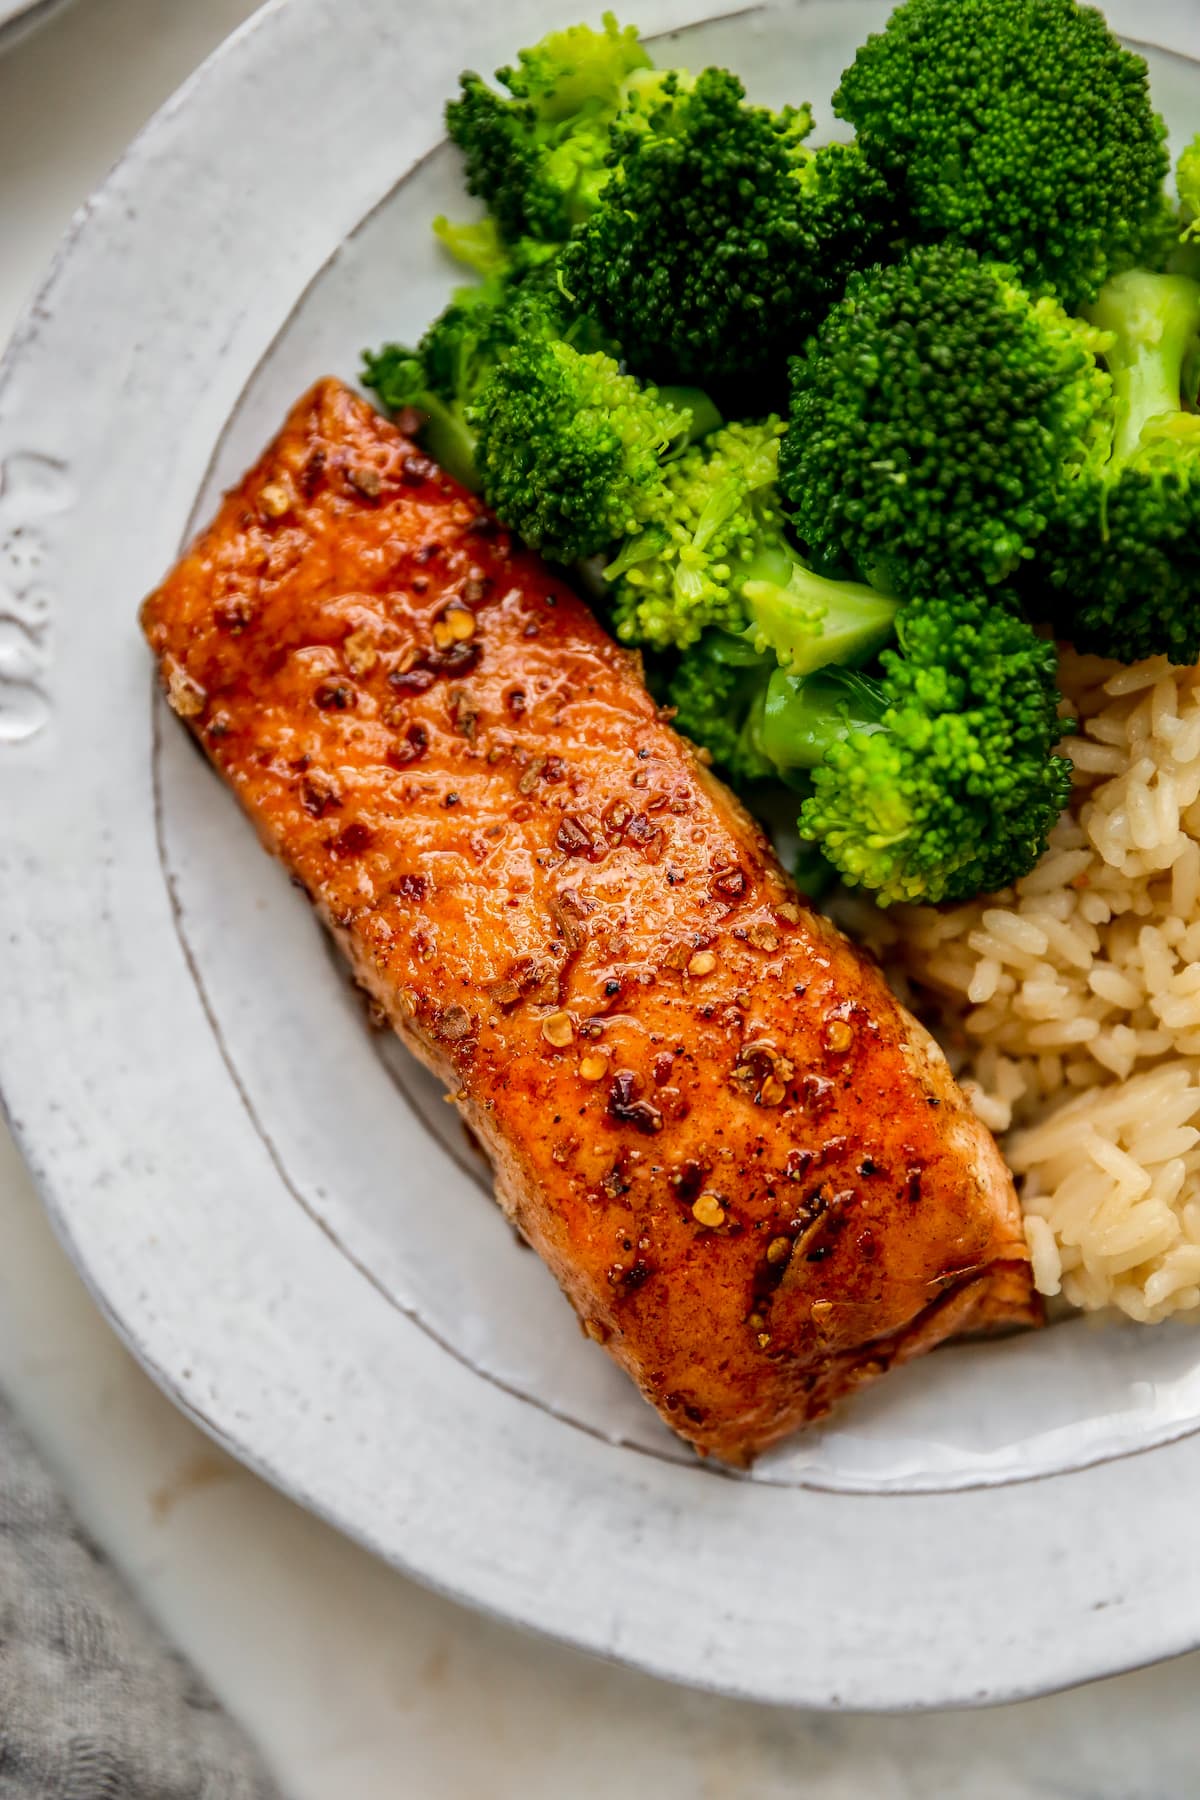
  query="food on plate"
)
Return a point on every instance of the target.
[
  {"x": 866, "y": 453},
  {"x": 748, "y": 1167}
]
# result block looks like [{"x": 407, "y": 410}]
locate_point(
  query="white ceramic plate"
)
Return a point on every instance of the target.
[{"x": 273, "y": 1206}]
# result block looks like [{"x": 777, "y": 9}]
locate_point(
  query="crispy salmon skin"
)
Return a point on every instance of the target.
[{"x": 749, "y": 1169}]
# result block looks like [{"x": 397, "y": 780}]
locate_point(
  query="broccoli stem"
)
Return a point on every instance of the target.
[
  {"x": 810, "y": 621},
  {"x": 449, "y": 440},
  {"x": 1153, "y": 320},
  {"x": 797, "y": 717}
]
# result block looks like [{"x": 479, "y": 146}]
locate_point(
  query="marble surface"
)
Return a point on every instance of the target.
[{"x": 357, "y": 1683}]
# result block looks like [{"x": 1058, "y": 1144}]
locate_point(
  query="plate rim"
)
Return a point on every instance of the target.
[
  {"x": 38, "y": 319},
  {"x": 19, "y": 19}
]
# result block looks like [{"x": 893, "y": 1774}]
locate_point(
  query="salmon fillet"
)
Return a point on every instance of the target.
[{"x": 749, "y": 1169}]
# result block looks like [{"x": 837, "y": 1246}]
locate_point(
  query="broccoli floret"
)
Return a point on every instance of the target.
[
  {"x": 718, "y": 555},
  {"x": 570, "y": 451},
  {"x": 536, "y": 156},
  {"x": 523, "y": 403},
  {"x": 764, "y": 705},
  {"x": 739, "y": 695},
  {"x": 685, "y": 573},
  {"x": 445, "y": 375},
  {"x": 477, "y": 243},
  {"x": 932, "y": 416},
  {"x": 935, "y": 781},
  {"x": 952, "y": 790},
  {"x": 1019, "y": 127},
  {"x": 1182, "y": 229},
  {"x": 1187, "y": 184},
  {"x": 1119, "y": 569},
  {"x": 722, "y": 237},
  {"x": 737, "y": 690}
]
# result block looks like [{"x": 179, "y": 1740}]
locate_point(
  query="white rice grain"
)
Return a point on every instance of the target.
[{"x": 1077, "y": 995}]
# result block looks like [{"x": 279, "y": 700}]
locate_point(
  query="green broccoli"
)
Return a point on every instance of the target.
[
  {"x": 797, "y": 719},
  {"x": 757, "y": 721},
  {"x": 722, "y": 237},
  {"x": 570, "y": 451},
  {"x": 953, "y": 789},
  {"x": 932, "y": 416},
  {"x": 718, "y": 554},
  {"x": 445, "y": 375},
  {"x": 809, "y": 621},
  {"x": 523, "y": 404},
  {"x": 759, "y": 717},
  {"x": 478, "y": 244},
  {"x": 1187, "y": 183},
  {"x": 1021, "y": 128},
  {"x": 1119, "y": 568},
  {"x": 537, "y": 155},
  {"x": 761, "y": 725},
  {"x": 684, "y": 574},
  {"x": 934, "y": 781}
]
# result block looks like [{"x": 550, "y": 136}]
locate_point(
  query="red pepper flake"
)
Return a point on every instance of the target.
[
  {"x": 318, "y": 793},
  {"x": 730, "y": 884},
  {"x": 353, "y": 840},
  {"x": 312, "y": 472},
  {"x": 577, "y": 836},
  {"x": 417, "y": 468},
  {"x": 627, "y": 1109},
  {"x": 410, "y": 749},
  {"x": 688, "y": 1179},
  {"x": 333, "y": 695}
]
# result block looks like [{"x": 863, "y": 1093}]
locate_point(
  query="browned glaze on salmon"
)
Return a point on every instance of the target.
[{"x": 749, "y": 1169}]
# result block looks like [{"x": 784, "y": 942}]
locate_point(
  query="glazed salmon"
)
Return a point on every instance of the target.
[{"x": 749, "y": 1169}]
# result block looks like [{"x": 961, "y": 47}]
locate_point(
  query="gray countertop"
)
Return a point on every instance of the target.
[{"x": 358, "y": 1684}]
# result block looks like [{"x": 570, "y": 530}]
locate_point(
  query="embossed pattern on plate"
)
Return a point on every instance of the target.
[{"x": 32, "y": 489}]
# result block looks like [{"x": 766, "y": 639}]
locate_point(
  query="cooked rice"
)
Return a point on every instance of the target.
[{"x": 1071, "y": 1004}]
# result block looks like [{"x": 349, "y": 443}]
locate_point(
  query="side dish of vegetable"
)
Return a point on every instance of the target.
[{"x": 842, "y": 436}]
